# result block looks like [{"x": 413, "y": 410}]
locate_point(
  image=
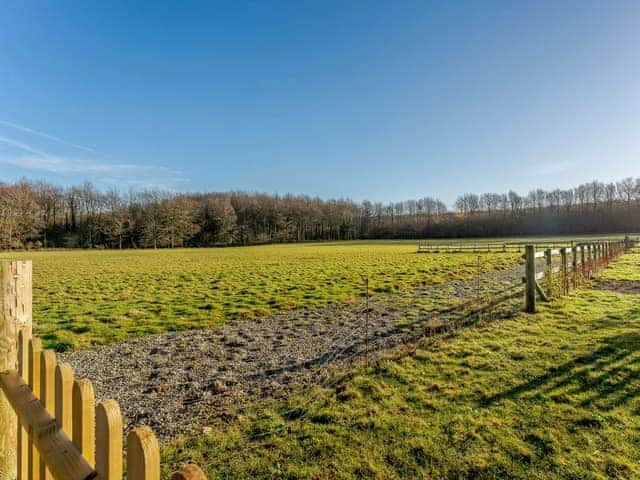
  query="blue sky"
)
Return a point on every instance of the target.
[{"x": 378, "y": 100}]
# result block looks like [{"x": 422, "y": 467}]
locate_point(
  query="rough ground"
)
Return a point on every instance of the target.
[
  {"x": 174, "y": 382},
  {"x": 620, "y": 286}
]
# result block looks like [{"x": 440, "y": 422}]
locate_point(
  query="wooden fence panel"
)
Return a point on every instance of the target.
[
  {"x": 54, "y": 416},
  {"x": 62, "y": 458}
]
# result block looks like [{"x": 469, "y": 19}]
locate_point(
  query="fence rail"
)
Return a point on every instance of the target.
[
  {"x": 50, "y": 425},
  {"x": 504, "y": 247},
  {"x": 576, "y": 264}
]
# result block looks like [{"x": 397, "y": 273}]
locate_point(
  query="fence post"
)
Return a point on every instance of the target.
[
  {"x": 564, "y": 270},
  {"x": 530, "y": 278},
  {"x": 15, "y": 315},
  {"x": 548, "y": 257},
  {"x": 574, "y": 265}
]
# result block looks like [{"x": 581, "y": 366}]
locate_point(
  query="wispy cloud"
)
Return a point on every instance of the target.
[
  {"x": 22, "y": 146},
  {"x": 55, "y": 164},
  {"x": 22, "y": 128},
  {"x": 40, "y": 160},
  {"x": 28, "y": 155}
]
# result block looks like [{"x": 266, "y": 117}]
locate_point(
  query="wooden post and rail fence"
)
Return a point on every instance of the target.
[
  {"x": 50, "y": 427},
  {"x": 576, "y": 264}
]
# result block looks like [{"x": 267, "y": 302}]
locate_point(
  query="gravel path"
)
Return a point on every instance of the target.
[{"x": 175, "y": 381}]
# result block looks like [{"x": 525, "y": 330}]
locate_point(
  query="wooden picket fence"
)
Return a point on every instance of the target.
[
  {"x": 53, "y": 429},
  {"x": 576, "y": 265}
]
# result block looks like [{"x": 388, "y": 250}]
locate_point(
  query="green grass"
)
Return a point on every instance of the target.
[
  {"x": 546, "y": 396},
  {"x": 86, "y": 297}
]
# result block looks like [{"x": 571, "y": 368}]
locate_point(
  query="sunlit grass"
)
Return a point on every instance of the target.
[
  {"x": 90, "y": 297},
  {"x": 554, "y": 395}
]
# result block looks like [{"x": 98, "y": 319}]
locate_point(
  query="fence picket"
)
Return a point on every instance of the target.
[
  {"x": 143, "y": 454},
  {"x": 109, "y": 441},
  {"x": 83, "y": 415},
  {"x": 64, "y": 392},
  {"x": 35, "y": 352},
  {"x": 23, "y": 436},
  {"x": 47, "y": 396}
]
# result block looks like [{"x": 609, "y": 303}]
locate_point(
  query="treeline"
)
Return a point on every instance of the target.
[{"x": 37, "y": 214}]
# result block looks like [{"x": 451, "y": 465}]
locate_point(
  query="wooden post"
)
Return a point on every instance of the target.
[
  {"x": 143, "y": 454},
  {"x": 84, "y": 419},
  {"x": 564, "y": 270},
  {"x": 547, "y": 256},
  {"x": 583, "y": 265},
  {"x": 530, "y": 278},
  {"x": 109, "y": 441},
  {"x": 574, "y": 265},
  {"x": 15, "y": 315}
]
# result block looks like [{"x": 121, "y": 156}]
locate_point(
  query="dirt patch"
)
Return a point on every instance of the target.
[{"x": 620, "y": 286}]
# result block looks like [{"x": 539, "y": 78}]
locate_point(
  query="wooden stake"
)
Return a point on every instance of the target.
[
  {"x": 530, "y": 278},
  {"x": 548, "y": 257},
  {"x": 574, "y": 265},
  {"x": 564, "y": 270}
]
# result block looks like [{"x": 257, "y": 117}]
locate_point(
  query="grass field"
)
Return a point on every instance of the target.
[
  {"x": 554, "y": 395},
  {"x": 91, "y": 297}
]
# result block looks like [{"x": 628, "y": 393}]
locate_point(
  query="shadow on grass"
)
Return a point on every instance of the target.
[{"x": 603, "y": 379}]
